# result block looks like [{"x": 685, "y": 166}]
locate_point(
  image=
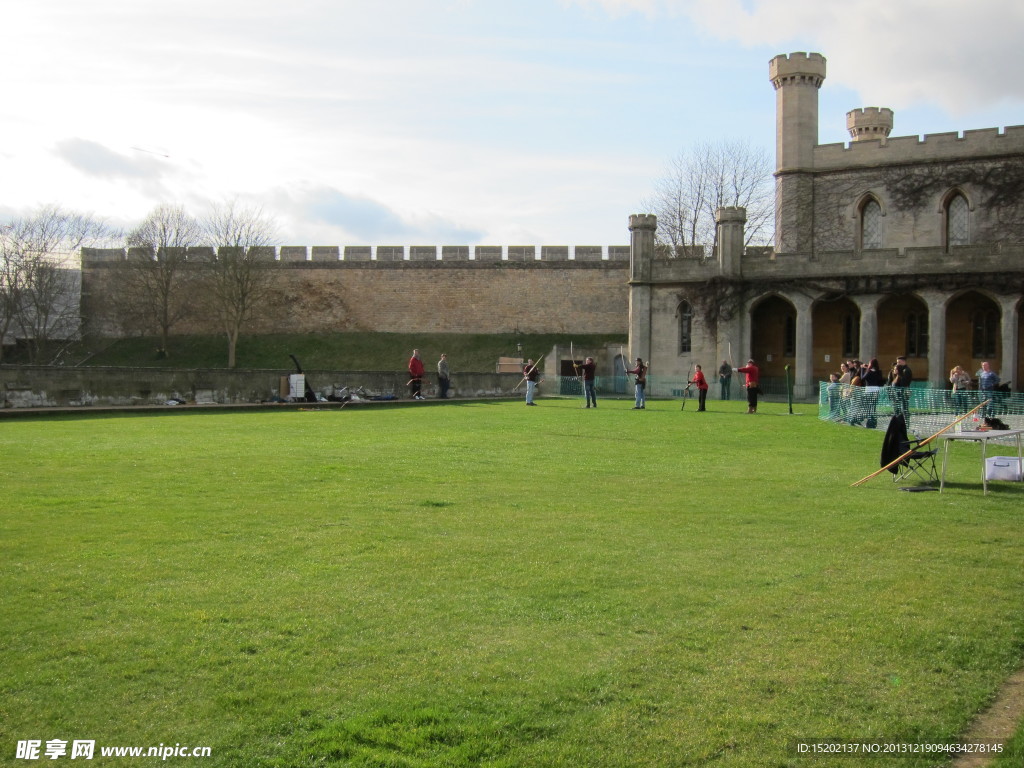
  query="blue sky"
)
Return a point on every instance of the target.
[{"x": 422, "y": 122}]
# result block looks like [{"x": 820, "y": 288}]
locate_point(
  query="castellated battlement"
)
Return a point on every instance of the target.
[
  {"x": 388, "y": 256},
  {"x": 869, "y": 123},
  {"x": 643, "y": 221},
  {"x": 796, "y": 69},
  {"x": 392, "y": 289},
  {"x": 971, "y": 145},
  {"x": 762, "y": 263}
]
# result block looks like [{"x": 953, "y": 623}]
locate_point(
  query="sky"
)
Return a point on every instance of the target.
[{"x": 453, "y": 122}]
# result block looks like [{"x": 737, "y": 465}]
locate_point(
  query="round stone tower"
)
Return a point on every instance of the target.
[
  {"x": 869, "y": 123},
  {"x": 796, "y": 78}
]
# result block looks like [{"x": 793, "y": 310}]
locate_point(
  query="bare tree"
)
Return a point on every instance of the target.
[
  {"x": 708, "y": 177},
  {"x": 40, "y": 279},
  {"x": 155, "y": 289},
  {"x": 238, "y": 280}
]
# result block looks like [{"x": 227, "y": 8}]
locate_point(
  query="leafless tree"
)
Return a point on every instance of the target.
[
  {"x": 705, "y": 178},
  {"x": 238, "y": 280},
  {"x": 40, "y": 277},
  {"x": 155, "y": 289}
]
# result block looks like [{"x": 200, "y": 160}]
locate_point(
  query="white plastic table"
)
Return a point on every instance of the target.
[{"x": 982, "y": 437}]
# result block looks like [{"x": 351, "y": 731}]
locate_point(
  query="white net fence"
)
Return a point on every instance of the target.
[{"x": 927, "y": 410}]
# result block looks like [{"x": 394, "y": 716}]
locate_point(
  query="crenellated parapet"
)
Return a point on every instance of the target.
[
  {"x": 984, "y": 143},
  {"x": 797, "y": 69},
  {"x": 869, "y": 123},
  {"x": 392, "y": 255},
  {"x": 644, "y": 221}
]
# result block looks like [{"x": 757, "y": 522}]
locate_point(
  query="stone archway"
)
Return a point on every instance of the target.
[
  {"x": 836, "y": 336},
  {"x": 773, "y": 335},
  {"x": 903, "y": 330},
  {"x": 973, "y": 323}
]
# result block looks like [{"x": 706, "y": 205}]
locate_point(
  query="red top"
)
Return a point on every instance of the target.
[
  {"x": 415, "y": 368},
  {"x": 753, "y": 374},
  {"x": 699, "y": 380}
]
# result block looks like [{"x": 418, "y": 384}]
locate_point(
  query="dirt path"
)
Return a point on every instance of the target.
[{"x": 999, "y": 721}]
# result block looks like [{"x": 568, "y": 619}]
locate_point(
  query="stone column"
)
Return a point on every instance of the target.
[
  {"x": 936, "y": 302},
  {"x": 868, "y": 307},
  {"x": 1010, "y": 322},
  {"x": 802, "y": 384}
]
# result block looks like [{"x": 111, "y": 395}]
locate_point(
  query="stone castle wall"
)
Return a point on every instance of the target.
[
  {"x": 454, "y": 289},
  {"x": 983, "y": 143}
]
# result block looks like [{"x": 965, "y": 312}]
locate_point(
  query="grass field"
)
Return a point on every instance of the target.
[{"x": 487, "y": 584}]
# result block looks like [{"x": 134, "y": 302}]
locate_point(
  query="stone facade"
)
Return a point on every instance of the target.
[
  {"x": 884, "y": 247},
  {"x": 397, "y": 289}
]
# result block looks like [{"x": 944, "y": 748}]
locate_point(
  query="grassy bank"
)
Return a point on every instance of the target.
[
  {"x": 340, "y": 351},
  {"x": 489, "y": 584}
]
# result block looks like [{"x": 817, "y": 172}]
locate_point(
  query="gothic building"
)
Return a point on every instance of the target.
[{"x": 884, "y": 247}]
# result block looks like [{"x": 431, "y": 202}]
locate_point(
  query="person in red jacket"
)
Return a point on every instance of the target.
[
  {"x": 416, "y": 375},
  {"x": 702, "y": 387},
  {"x": 753, "y": 374}
]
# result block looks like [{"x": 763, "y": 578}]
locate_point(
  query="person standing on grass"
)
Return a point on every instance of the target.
[
  {"x": 640, "y": 371},
  {"x": 753, "y": 383},
  {"x": 873, "y": 383},
  {"x": 900, "y": 379},
  {"x": 416, "y": 370},
  {"x": 725, "y": 379},
  {"x": 961, "y": 383},
  {"x": 702, "y": 387},
  {"x": 443, "y": 377},
  {"x": 988, "y": 380},
  {"x": 587, "y": 369},
  {"x": 532, "y": 375}
]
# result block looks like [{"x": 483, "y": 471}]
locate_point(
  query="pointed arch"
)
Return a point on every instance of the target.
[
  {"x": 684, "y": 313},
  {"x": 956, "y": 219},
  {"x": 870, "y": 232}
]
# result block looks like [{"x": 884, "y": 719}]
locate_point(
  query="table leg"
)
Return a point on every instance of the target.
[
  {"x": 984, "y": 474},
  {"x": 945, "y": 456}
]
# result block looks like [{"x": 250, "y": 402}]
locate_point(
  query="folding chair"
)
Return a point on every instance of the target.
[{"x": 917, "y": 463}]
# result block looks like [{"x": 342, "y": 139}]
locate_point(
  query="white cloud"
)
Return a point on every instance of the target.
[
  {"x": 963, "y": 56},
  {"x": 541, "y": 120}
]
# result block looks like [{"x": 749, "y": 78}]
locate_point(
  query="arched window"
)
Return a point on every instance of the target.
[
  {"x": 917, "y": 334},
  {"x": 985, "y": 330},
  {"x": 957, "y": 221},
  {"x": 685, "y": 327},
  {"x": 870, "y": 224},
  {"x": 851, "y": 335}
]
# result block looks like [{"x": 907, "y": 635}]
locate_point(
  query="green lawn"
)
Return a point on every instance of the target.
[{"x": 488, "y": 584}]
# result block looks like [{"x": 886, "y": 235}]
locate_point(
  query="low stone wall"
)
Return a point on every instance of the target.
[{"x": 25, "y": 386}]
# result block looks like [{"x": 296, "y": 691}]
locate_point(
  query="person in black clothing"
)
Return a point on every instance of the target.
[
  {"x": 873, "y": 381},
  {"x": 587, "y": 370},
  {"x": 900, "y": 379}
]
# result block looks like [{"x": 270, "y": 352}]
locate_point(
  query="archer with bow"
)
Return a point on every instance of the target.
[
  {"x": 531, "y": 376},
  {"x": 640, "y": 371}
]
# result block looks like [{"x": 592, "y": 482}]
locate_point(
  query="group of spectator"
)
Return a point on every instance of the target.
[
  {"x": 853, "y": 392},
  {"x": 985, "y": 382}
]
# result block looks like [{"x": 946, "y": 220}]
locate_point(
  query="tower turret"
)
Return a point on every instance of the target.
[
  {"x": 869, "y": 123},
  {"x": 796, "y": 78}
]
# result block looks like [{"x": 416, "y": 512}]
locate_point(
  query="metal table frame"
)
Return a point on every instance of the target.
[{"x": 982, "y": 437}]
